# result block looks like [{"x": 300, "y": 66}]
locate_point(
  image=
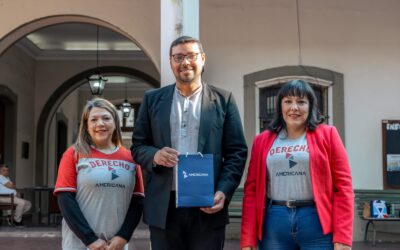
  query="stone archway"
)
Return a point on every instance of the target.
[
  {"x": 7, "y": 41},
  {"x": 54, "y": 101}
]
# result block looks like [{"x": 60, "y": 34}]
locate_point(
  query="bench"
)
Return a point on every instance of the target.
[
  {"x": 4, "y": 206},
  {"x": 365, "y": 196},
  {"x": 235, "y": 206}
]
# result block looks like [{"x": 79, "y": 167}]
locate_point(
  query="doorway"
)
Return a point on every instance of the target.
[
  {"x": 62, "y": 133},
  {"x": 8, "y": 124},
  {"x": 2, "y": 127}
]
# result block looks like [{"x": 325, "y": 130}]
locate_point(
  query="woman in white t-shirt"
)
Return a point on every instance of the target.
[
  {"x": 298, "y": 192},
  {"x": 99, "y": 188}
]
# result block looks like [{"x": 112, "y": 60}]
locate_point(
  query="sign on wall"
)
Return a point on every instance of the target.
[{"x": 391, "y": 153}]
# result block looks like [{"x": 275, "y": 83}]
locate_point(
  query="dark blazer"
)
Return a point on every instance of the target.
[{"x": 220, "y": 133}]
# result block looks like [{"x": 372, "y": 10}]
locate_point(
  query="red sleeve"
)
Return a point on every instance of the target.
[
  {"x": 343, "y": 196},
  {"x": 248, "y": 235},
  {"x": 66, "y": 178},
  {"x": 139, "y": 187}
]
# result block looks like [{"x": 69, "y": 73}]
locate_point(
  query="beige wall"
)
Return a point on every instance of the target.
[{"x": 358, "y": 38}]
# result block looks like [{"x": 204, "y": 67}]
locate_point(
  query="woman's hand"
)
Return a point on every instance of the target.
[
  {"x": 99, "y": 244},
  {"x": 116, "y": 243},
  {"x": 340, "y": 246},
  {"x": 248, "y": 248}
]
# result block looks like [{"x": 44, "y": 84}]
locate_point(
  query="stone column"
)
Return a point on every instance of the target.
[{"x": 178, "y": 17}]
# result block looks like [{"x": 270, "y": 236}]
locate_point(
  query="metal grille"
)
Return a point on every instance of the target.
[{"x": 268, "y": 97}]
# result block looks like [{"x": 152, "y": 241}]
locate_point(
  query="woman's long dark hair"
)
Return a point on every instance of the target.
[{"x": 298, "y": 88}]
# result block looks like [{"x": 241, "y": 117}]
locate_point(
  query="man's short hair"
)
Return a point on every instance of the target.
[
  {"x": 3, "y": 166},
  {"x": 183, "y": 40}
]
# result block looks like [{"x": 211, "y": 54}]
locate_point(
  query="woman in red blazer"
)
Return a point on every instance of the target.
[{"x": 298, "y": 192}]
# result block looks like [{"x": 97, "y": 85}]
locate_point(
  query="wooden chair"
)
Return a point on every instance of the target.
[{"x": 4, "y": 206}]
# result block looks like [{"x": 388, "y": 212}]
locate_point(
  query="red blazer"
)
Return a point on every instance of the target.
[{"x": 331, "y": 183}]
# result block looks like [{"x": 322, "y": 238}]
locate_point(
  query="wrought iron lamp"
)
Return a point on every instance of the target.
[
  {"x": 97, "y": 81},
  {"x": 126, "y": 107}
]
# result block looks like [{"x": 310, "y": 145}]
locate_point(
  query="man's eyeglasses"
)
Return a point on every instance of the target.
[{"x": 178, "y": 58}]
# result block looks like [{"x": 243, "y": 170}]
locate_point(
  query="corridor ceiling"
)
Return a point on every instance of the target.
[{"x": 78, "y": 41}]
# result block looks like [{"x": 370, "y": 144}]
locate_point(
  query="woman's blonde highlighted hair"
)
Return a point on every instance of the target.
[{"x": 83, "y": 142}]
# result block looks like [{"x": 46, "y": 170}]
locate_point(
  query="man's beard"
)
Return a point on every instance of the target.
[{"x": 187, "y": 79}]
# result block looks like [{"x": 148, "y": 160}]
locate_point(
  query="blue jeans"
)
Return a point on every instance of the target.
[{"x": 293, "y": 229}]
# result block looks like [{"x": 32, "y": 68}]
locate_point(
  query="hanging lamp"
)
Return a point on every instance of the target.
[
  {"x": 97, "y": 81},
  {"x": 126, "y": 107}
]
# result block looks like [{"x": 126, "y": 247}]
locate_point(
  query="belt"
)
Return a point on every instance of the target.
[{"x": 294, "y": 203}]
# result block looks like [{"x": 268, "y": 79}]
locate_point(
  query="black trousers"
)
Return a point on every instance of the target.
[{"x": 184, "y": 231}]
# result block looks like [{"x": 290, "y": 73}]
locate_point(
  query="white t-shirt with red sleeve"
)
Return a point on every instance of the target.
[{"x": 104, "y": 185}]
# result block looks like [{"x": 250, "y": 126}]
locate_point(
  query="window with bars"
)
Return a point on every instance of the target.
[{"x": 268, "y": 96}]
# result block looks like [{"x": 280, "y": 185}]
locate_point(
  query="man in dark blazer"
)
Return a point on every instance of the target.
[{"x": 188, "y": 116}]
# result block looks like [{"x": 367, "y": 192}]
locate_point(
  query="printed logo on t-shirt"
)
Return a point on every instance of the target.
[
  {"x": 113, "y": 173},
  {"x": 291, "y": 154},
  {"x": 288, "y": 149},
  {"x": 110, "y": 165},
  {"x": 290, "y": 157},
  {"x": 106, "y": 173},
  {"x": 288, "y": 166}
]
